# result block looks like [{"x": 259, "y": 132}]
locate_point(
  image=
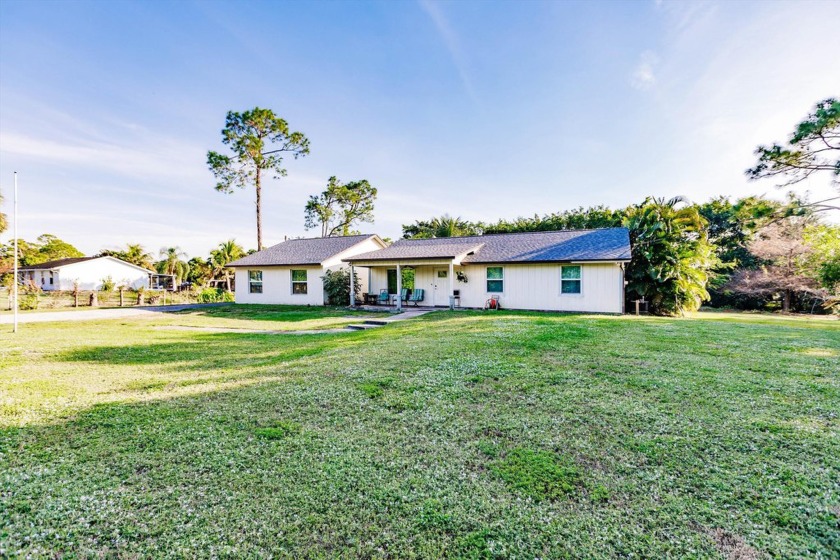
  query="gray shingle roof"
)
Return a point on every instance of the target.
[
  {"x": 612, "y": 244},
  {"x": 301, "y": 251},
  {"x": 56, "y": 263}
]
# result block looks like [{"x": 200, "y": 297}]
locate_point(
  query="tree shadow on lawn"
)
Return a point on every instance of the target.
[{"x": 214, "y": 350}]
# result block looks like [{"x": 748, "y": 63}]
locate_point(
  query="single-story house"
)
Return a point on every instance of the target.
[
  {"x": 89, "y": 272},
  {"x": 290, "y": 272},
  {"x": 570, "y": 270}
]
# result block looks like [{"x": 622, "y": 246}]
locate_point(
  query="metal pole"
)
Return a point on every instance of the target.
[
  {"x": 399, "y": 288},
  {"x": 352, "y": 288},
  {"x": 15, "y": 279}
]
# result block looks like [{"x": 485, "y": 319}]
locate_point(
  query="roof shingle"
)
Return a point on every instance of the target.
[
  {"x": 611, "y": 244},
  {"x": 311, "y": 251}
]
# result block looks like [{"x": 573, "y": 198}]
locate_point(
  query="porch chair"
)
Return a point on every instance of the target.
[
  {"x": 417, "y": 296},
  {"x": 404, "y": 295},
  {"x": 384, "y": 298}
]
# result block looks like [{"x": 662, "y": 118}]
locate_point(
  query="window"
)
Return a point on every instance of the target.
[
  {"x": 495, "y": 279},
  {"x": 569, "y": 280},
  {"x": 299, "y": 282},
  {"x": 255, "y": 281},
  {"x": 51, "y": 278},
  {"x": 442, "y": 273}
]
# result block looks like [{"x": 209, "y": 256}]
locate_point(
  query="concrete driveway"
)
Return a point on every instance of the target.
[{"x": 7, "y": 318}]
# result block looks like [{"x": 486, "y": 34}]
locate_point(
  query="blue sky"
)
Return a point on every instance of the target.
[{"x": 483, "y": 110}]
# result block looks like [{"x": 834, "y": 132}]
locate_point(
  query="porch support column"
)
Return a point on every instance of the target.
[
  {"x": 352, "y": 288},
  {"x": 451, "y": 284},
  {"x": 399, "y": 288}
]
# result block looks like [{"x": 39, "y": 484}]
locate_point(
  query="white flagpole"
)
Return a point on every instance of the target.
[{"x": 15, "y": 278}]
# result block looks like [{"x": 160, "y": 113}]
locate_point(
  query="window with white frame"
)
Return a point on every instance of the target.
[
  {"x": 255, "y": 281},
  {"x": 570, "y": 280},
  {"x": 299, "y": 285},
  {"x": 495, "y": 279}
]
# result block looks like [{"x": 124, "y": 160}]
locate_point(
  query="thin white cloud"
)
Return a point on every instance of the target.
[
  {"x": 644, "y": 76},
  {"x": 451, "y": 41},
  {"x": 168, "y": 160}
]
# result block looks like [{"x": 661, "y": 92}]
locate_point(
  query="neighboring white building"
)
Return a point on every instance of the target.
[
  {"x": 570, "y": 270},
  {"x": 89, "y": 272},
  {"x": 290, "y": 273}
]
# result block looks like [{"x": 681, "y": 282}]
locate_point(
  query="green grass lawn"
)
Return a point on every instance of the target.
[{"x": 462, "y": 435}]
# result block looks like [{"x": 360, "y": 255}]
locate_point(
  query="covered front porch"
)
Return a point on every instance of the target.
[{"x": 409, "y": 283}]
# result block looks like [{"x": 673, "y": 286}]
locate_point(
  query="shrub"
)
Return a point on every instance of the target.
[
  {"x": 108, "y": 284},
  {"x": 337, "y": 286},
  {"x": 214, "y": 295},
  {"x": 27, "y": 302}
]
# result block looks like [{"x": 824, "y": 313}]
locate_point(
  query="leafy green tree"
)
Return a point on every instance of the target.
[
  {"x": 823, "y": 258},
  {"x": 579, "y": 218},
  {"x": 52, "y": 248},
  {"x": 340, "y": 206},
  {"x": 200, "y": 272},
  {"x": 441, "y": 226},
  {"x": 814, "y": 146},
  {"x": 220, "y": 258},
  {"x": 257, "y": 139},
  {"x": 732, "y": 225},
  {"x": 172, "y": 264},
  {"x": 672, "y": 257}
]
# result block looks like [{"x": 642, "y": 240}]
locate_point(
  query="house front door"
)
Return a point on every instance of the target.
[{"x": 441, "y": 281}]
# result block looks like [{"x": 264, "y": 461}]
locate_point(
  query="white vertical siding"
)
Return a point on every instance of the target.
[{"x": 527, "y": 286}]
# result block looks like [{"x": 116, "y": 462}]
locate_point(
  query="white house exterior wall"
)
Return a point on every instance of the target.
[
  {"x": 277, "y": 286},
  {"x": 277, "y": 280},
  {"x": 527, "y": 286},
  {"x": 90, "y": 274}
]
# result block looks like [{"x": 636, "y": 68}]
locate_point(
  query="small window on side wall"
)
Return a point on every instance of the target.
[
  {"x": 299, "y": 285},
  {"x": 570, "y": 280},
  {"x": 495, "y": 279},
  {"x": 255, "y": 281}
]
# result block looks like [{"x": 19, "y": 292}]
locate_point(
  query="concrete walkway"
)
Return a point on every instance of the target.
[{"x": 7, "y": 318}]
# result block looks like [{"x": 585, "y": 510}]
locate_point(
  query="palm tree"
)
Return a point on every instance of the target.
[
  {"x": 137, "y": 255},
  {"x": 227, "y": 252},
  {"x": 447, "y": 226},
  {"x": 672, "y": 257},
  {"x": 172, "y": 263}
]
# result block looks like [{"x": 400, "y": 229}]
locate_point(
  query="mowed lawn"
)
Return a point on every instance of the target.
[{"x": 461, "y": 435}]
